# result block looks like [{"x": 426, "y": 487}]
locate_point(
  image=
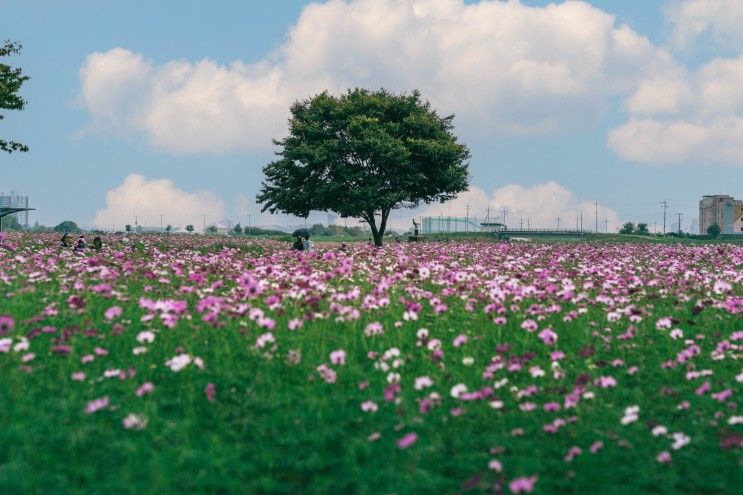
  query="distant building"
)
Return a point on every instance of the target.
[
  {"x": 15, "y": 201},
  {"x": 724, "y": 210}
]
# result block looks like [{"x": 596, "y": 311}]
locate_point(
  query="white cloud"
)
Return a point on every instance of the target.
[
  {"x": 689, "y": 117},
  {"x": 502, "y": 67},
  {"x": 148, "y": 199},
  {"x": 723, "y": 19},
  {"x": 537, "y": 206}
]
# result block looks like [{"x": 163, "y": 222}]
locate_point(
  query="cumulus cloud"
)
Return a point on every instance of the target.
[
  {"x": 502, "y": 67},
  {"x": 537, "y": 206},
  {"x": 687, "y": 117},
  {"x": 722, "y": 19},
  {"x": 147, "y": 199}
]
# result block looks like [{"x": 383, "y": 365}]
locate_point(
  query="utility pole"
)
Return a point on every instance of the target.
[
  {"x": 576, "y": 223},
  {"x": 680, "y": 214},
  {"x": 249, "y": 217},
  {"x": 504, "y": 215},
  {"x": 596, "y": 205},
  {"x": 521, "y": 223},
  {"x": 161, "y": 221},
  {"x": 581, "y": 220},
  {"x": 664, "y": 204},
  {"x": 204, "y": 216},
  {"x": 528, "y": 223},
  {"x": 606, "y": 225},
  {"x": 558, "y": 223},
  {"x": 135, "y": 223},
  {"x": 467, "y": 220}
]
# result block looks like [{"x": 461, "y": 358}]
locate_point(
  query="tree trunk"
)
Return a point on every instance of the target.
[{"x": 377, "y": 233}]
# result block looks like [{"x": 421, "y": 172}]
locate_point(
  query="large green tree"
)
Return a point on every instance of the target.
[
  {"x": 11, "y": 80},
  {"x": 363, "y": 154}
]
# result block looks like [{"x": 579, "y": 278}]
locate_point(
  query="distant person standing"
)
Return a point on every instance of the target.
[
  {"x": 97, "y": 243},
  {"x": 307, "y": 245},
  {"x": 65, "y": 241}
]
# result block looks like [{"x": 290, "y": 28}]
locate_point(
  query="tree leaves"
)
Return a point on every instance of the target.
[
  {"x": 11, "y": 80},
  {"x": 363, "y": 154}
]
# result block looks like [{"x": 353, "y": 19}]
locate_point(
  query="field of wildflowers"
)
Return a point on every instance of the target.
[{"x": 185, "y": 364}]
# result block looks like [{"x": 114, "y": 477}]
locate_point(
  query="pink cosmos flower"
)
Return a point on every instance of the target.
[
  {"x": 144, "y": 389},
  {"x": 6, "y": 324},
  {"x": 407, "y": 440},
  {"x": 459, "y": 340},
  {"x": 573, "y": 452},
  {"x": 78, "y": 376},
  {"x": 606, "y": 382},
  {"x": 548, "y": 336},
  {"x": 338, "y": 357},
  {"x": 723, "y": 395},
  {"x": 703, "y": 388},
  {"x": 557, "y": 355},
  {"x": 112, "y": 312},
  {"x": 552, "y": 407},
  {"x": 523, "y": 484},
  {"x": 97, "y": 405},
  {"x": 210, "y": 391},
  {"x": 596, "y": 446},
  {"x": 327, "y": 373},
  {"x": 529, "y": 325},
  {"x": 134, "y": 422},
  {"x": 664, "y": 457},
  {"x": 373, "y": 328}
]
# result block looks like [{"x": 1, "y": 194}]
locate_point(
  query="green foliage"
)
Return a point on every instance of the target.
[
  {"x": 642, "y": 229},
  {"x": 168, "y": 228},
  {"x": 10, "y": 222},
  {"x": 363, "y": 154},
  {"x": 128, "y": 228},
  {"x": 211, "y": 229},
  {"x": 67, "y": 226},
  {"x": 713, "y": 230},
  {"x": 627, "y": 228},
  {"x": 11, "y": 80},
  {"x": 237, "y": 229},
  {"x": 189, "y": 228}
]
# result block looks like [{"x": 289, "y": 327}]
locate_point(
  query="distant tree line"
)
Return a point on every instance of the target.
[
  {"x": 713, "y": 231},
  {"x": 630, "y": 228}
]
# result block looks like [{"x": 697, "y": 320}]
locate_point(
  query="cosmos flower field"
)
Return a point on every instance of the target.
[{"x": 188, "y": 364}]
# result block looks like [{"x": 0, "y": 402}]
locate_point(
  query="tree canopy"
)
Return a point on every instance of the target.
[
  {"x": 67, "y": 226},
  {"x": 713, "y": 230},
  {"x": 363, "y": 154},
  {"x": 11, "y": 80},
  {"x": 627, "y": 228}
]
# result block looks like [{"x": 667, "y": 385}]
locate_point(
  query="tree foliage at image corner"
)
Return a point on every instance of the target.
[
  {"x": 11, "y": 80},
  {"x": 363, "y": 154}
]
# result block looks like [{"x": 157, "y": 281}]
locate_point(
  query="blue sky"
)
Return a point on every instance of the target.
[{"x": 553, "y": 122}]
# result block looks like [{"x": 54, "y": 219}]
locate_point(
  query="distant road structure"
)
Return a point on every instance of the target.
[
  {"x": 14, "y": 200},
  {"x": 9, "y": 211}
]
